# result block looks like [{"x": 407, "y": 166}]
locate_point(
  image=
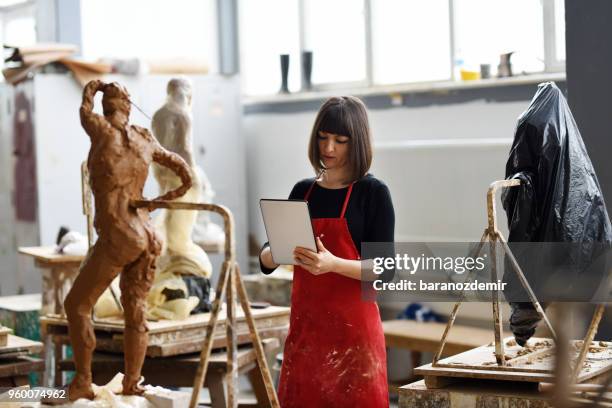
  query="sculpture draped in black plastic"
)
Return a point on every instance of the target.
[{"x": 558, "y": 208}]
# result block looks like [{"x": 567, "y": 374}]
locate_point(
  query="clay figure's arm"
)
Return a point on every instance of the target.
[
  {"x": 91, "y": 121},
  {"x": 175, "y": 163}
]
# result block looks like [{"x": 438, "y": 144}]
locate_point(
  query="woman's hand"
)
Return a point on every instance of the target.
[{"x": 316, "y": 263}]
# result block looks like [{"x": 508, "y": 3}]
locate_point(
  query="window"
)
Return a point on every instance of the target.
[
  {"x": 267, "y": 30},
  {"x": 11, "y": 3},
  {"x": 150, "y": 29},
  {"x": 17, "y": 23},
  {"x": 335, "y": 33},
  {"x": 410, "y": 41},
  {"x": 484, "y": 29},
  {"x": 380, "y": 42},
  {"x": 19, "y": 31}
]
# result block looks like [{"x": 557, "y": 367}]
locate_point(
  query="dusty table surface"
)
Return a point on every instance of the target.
[{"x": 47, "y": 254}]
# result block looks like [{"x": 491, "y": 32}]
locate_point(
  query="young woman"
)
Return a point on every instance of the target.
[{"x": 335, "y": 351}]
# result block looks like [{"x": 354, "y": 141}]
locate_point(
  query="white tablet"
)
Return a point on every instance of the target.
[{"x": 287, "y": 225}]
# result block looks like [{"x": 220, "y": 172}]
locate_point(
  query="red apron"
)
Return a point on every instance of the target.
[{"x": 335, "y": 350}]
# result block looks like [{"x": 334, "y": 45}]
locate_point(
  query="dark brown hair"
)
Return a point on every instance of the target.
[{"x": 346, "y": 116}]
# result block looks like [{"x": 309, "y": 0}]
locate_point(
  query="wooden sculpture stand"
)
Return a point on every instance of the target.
[
  {"x": 229, "y": 285},
  {"x": 586, "y": 343},
  {"x": 511, "y": 364},
  {"x": 493, "y": 235}
]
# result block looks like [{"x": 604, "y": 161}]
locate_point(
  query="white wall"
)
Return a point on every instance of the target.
[{"x": 437, "y": 161}]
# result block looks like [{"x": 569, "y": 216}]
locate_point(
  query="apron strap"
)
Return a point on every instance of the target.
[{"x": 346, "y": 199}]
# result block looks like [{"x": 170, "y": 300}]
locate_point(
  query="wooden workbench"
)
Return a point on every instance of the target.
[
  {"x": 16, "y": 364},
  {"x": 425, "y": 336},
  {"x": 18, "y": 346},
  {"x": 179, "y": 371},
  {"x": 58, "y": 274},
  {"x": 482, "y": 394},
  {"x": 534, "y": 363},
  {"x": 473, "y": 378},
  {"x": 172, "y": 337}
]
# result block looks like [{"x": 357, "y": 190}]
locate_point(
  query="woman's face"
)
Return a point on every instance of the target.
[{"x": 333, "y": 149}]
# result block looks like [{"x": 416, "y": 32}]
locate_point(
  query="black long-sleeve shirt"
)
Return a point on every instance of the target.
[{"x": 369, "y": 214}]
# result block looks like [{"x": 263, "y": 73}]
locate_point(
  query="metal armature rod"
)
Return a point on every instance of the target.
[
  {"x": 230, "y": 284},
  {"x": 86, "y": 195},
  {"x": 453, "y": 315},
  {"x": 525, "y": 283},
  {"x": 224, "y": 212}
]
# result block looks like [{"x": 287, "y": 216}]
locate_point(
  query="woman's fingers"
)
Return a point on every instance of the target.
[
  {"x": 303, "y": 260},
  {"x": 308, "y": 264},
  {"x": 307, "y": 253},
  {"x": 298, "y": 258}
]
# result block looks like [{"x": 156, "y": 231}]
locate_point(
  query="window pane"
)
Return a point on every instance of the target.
[
  {"x": 8, "y": 3},
  {"x": 334, "y": 30},
  {"x": 484, "y": 29},
  {"x": 268, "y": 28},
  {"x": 150, "y": 29},
  {"x": 410, "y": 40},
  {"x": 20, "y": 31},
  {"x": 560, "y": 30}
]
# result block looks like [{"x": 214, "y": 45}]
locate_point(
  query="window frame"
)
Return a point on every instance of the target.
[
  {"x": 551, "y": 61},
  {"x": 331, "y": 86}
]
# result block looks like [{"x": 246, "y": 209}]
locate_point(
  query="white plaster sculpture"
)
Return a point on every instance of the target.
[
  {"x": 171, "y": 126},
  {"x": 206, "y": 231}
]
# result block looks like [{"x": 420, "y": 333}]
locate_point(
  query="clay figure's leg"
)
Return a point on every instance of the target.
[
  {"x": 95, "y": 276},
  {"x": 135, "y": 282}
]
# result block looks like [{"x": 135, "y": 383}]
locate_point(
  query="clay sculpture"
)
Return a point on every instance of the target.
[{"x": 118, "y": 163}]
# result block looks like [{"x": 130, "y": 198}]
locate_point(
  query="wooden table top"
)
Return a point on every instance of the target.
[
  {"x": 17, "y": 344},
  {"x": 175, "y": 337},
  {"x": 425, "y": 336},
  {"x": 117, "y": 324},
  {"x": 47, "y": 255}
]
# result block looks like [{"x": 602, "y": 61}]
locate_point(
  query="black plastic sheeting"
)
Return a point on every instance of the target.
[
  {"x": 559, "y": 208},
  {"x": 198, "y": 286},
  {"x": 559, "y": 201}
]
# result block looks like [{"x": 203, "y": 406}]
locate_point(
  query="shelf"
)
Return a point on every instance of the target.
[{"x": 420, "y": 87}]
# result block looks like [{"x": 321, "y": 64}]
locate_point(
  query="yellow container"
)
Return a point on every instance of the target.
[{"x": 469, "y": 75}]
